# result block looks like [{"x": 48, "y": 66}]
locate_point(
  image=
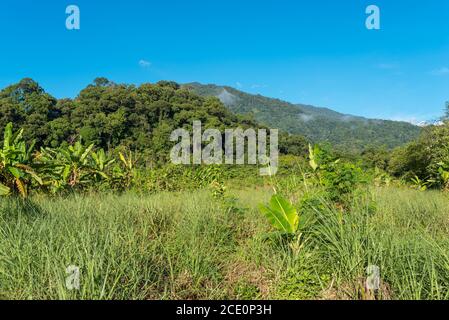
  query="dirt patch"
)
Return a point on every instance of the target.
[
  {"x": 246, "y": 272},
  {"x": 356, "y": 291}
]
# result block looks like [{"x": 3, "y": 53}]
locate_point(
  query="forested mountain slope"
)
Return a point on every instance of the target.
[{"x": 317, "y": 124}]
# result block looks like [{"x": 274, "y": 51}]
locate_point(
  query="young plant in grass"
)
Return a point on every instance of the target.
[
  {"x": 339, "y": 179},
  {"x": 281, "y": 214},
  {"x": 284, "y": 217}
]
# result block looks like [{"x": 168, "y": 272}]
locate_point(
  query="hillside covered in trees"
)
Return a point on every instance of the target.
[
  {"x": 349, "y": 133},
  {"x": 113, "y": 115}
]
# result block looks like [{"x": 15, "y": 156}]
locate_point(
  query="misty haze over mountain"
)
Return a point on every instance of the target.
[{"x": 317, "y": 124}]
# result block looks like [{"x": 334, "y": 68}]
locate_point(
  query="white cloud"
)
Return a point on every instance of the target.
[
  {"x": 306, "y": 117},
  {"x": 387, "y": 66},
  {"x": 416, "y": 119},
  {"x": 144, "y": 63},
  {"x": 410, "y": 119},
  {"x": 441, "y": 72},
  {"x": 227, "y": 98}
]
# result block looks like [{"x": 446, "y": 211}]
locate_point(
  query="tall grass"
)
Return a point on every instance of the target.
[
  {"x": 128, "y": 247},
  {"x": 402, "y": 232},
  {"x": 191, "y": 246}
]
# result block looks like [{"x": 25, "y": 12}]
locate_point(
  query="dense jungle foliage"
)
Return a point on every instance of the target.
[{"x": 115, "y": 116}]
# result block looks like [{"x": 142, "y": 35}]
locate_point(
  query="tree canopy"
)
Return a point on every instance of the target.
[{"x": 114, "y": 115}]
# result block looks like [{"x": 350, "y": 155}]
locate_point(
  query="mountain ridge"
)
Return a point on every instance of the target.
[{"x": 319, "y": 124}]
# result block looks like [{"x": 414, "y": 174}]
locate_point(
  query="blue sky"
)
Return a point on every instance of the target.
[{"x": 316, "y": 52}]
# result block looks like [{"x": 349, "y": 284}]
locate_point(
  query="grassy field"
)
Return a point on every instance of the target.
[{"x": 192, "y": 246}]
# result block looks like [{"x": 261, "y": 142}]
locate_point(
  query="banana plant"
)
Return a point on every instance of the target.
[
  {"x": 443, "y": 175},
  {"x": 281, "y": 214},
  {"x": 419, "y": 184},
  {"x": 16, "y": 172},
  {"x": 127, "y": 160},
  {"x": 69, "y": 166},
  {"x": 100, "y": 165},
  {"x": 124, "y": 173}
]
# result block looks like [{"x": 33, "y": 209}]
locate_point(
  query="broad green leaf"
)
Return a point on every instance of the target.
[
  {"x": 4, "y": 190},
  {"x": 16, "y": 172},
  {"x": 35, "y": 177},
  {"x": 312, "y": 157},
  {"x": 281, "y": 214},
  {"x": 66, "y": 154},
  {"x": 7, "y": 136},
  {"x": 86, "y": 153},
  {"x": 104, "y": 175},
  {"x": 18, "y": 136},
  {"x": 66, "y": 172},
  {"x": 30, "y": 171},
  {"x": 96, "y": 158},
  {"x": 30, "y": 150},
  {"x": 122, "y": 158}
]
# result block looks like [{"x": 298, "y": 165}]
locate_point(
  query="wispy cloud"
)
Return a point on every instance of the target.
[
  {"x": 387, "y": 66},
  {"x": 227, "y": 98},
  {"x": 441, "y": 71},
  {"x": 258, "y": 86},
  {"x": 144, "y": 63},
  {"x": 416, "y": 119},
  {"x": 410, "y": 119}
]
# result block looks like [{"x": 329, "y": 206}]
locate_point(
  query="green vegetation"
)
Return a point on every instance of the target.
[
  {"x": 15, "y": 164},
  {"x": 119, "y": 117},
  {"x": 110, "y": 115},
  {"x": 281, "y": 214},
  {"x": 191, "y": 246},
  {"x": 88, "y": 187},
  {"x": 425, "y": 160},
  {"x": 348, "y": 133}
]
